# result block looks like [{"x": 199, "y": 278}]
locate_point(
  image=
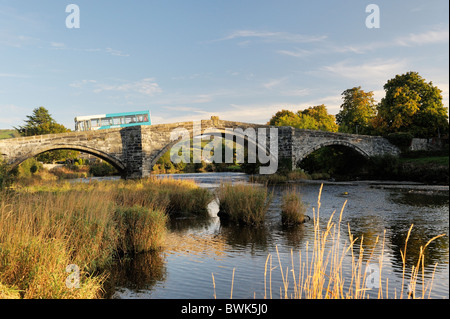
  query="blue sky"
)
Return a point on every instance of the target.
[{"x": 187, "y": 60}]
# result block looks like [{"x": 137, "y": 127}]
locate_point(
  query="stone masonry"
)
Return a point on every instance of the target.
[{"x": 135, "y": 150}]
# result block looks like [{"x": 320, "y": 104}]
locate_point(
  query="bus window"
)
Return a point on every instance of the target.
[
  {"x": 130, "y": 119},
  {"x": 95, "y": 122},
  {"x": 106, "y": 122},
  {"x": 140, "y": 119},
  {"x": 117, "y": 120}
]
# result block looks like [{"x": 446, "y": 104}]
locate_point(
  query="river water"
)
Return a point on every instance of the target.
[{"x": 205, "y": 259}]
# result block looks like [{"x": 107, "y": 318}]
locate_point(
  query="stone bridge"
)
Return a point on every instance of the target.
[{"x": 135, "y": 150}]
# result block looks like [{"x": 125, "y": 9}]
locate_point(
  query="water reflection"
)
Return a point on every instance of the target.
[
  {"x": 436, "y": 251},
  {"x": 199, "y": 247},
  {"x": 135, "y": 274}
]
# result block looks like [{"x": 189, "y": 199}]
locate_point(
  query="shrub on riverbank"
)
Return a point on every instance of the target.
[
  {"x": 280, "y": 178},
  {"x": 422, "y": 169},
  {"x": 244, "y": 204}
]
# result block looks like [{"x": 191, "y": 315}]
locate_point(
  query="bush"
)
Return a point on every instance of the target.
[
  {"x": 244, "y": 204},
  {"x": 5, "y": 177},
  {"x": 102, "y": 169},
  {"x": 292, "y": 209},
  {"x": 401, "y": 139}
]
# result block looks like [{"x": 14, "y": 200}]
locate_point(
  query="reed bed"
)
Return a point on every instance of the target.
[
  {"x": 45, "y": 228},
  {"x": 322, "y": 276},
  {"x": 292, "y": 208},
  {"x": 244, "y": 204}
]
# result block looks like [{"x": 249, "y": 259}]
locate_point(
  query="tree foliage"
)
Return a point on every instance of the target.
[
  {"x": 357, "y": 111},
  {"x": 412, "y": 105},
  {"x": 312, "y": 118},
  {"x": 42, "y": 123}
]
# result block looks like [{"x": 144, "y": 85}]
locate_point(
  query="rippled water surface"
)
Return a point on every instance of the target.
[{"x": 203, "y": 258}]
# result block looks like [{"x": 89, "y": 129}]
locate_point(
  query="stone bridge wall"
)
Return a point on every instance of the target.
[{"x": 135, "y": 150}]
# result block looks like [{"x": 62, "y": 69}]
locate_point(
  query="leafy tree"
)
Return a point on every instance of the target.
[
  {"x": 325, "y": 121},
  {"x": 41, "y": 123},
  {"x": 357, "y": 111},
  {"x": 275, "y": 119},
  {"x": 313, "y": 118},
  {"x": 412, "y": 105},
  {"x": 298, "y": 120}
]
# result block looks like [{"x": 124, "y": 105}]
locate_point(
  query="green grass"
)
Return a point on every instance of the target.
[
  {"x": 8, "y": 134},
  {"x": 437, "y": 160}
]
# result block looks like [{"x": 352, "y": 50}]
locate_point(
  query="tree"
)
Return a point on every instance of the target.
[
  {"x": 325, "y": 121},
  {"x": 298, "y": 120},
  {"x": 357, "y": 111},
  {"x": 313, "y": 118},
  {"x": 412, "y": 105},
  {"x": 41, "y": 123},
  {"x": 275, "y": 119}
]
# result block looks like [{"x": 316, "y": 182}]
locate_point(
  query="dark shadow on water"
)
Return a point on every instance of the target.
[{"x": 136, "y": 273}]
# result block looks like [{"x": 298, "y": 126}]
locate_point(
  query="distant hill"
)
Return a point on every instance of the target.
[{"x": 8, "y": 134}]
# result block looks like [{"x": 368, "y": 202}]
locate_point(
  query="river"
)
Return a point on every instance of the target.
[{"x": 204, "y": 259}]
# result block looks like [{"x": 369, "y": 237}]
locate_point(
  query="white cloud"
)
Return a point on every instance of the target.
[
  {"x": 115, "y": 52},
  {"x": 437, "y": 35},
  {"x": 58, "y": 45},
  {"x": 273, "y": 83},
  {"x": 146, "y": 86},
  {"x": 80, "y": 84},
  {"x": 428, "y": 37},
  {"x": 370, "y": 72},
  {"x": 274, "y": 36}
]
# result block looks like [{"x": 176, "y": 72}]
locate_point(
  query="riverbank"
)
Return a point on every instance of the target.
[
  {"x": 84, "y": 226},
  {"x": 398, "y": 185}
]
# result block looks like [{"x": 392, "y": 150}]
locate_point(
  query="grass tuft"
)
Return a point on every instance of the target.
[
  {"x": 244, "y": 204},
  {"x": 292, "y": 208}
]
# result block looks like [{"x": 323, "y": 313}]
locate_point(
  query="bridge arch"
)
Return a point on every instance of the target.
[
  {"x": 220, "y": 132},
  {"x": 306, "y": 152},
  {"x": 102, "y": 155}
]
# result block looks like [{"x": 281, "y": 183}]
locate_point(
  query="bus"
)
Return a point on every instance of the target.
[{"x": 114, "y": 120}]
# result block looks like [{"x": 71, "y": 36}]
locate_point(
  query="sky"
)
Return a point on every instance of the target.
[{"x": 187, "y": 60}]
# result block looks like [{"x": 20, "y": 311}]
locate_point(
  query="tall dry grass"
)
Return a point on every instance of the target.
[
  {"x": 40, "y": 235},
  {"x": 245, "y": 204},
  {"x": 292, "y": 208},
  {"x": 45, "y": 228},
  {"x": 322, "y": 275}
]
